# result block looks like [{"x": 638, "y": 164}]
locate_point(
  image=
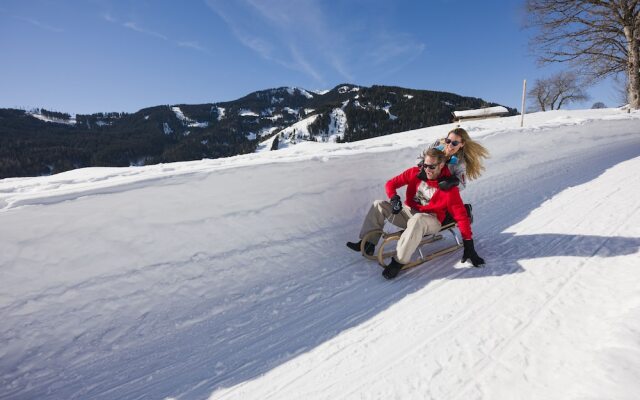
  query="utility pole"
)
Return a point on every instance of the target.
[{"x": 524, "y": 92}]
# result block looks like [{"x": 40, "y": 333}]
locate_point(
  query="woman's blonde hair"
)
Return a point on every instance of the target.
[{"x": 472, "y": 153}]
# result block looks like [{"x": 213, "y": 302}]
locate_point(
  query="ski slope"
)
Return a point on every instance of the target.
[{"x": 229, "y": 278}]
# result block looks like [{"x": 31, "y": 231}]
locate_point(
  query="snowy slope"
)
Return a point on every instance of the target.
[
  {"x": 229, "y": 278},
  {"x": 45, "y": 118},
  {"x": 289, "y": 135}
]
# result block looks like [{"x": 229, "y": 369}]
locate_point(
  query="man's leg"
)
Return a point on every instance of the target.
[
  {"x": 418, "y": 225},
  {"x": 381, "y": 210}
]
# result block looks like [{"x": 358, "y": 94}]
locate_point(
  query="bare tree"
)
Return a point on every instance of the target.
[
  {"x": 620, "y": 89},
  {"x": 540, "y": 94},
  {"x": 600, "y": 37},
  {"x": 558, "y": 90}
]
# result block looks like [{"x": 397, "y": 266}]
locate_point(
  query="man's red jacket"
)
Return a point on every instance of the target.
[{"x": 441, "y": 202}]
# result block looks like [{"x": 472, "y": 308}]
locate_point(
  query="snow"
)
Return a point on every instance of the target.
[
  {"x": 386, "y": 109},
  {"x": 267, "y": 112},
  {"x": 196, "y": 124},
  {"x": 188, "y": 121},
  {"x": 229, "y": 278},
  {"x": 266, "y": 145},
  {"x": 179, "y": 114},
  {"x": 292, "y": 92},
  {"x": 298, "y": 133},
  {"x": 263, "y": 132},
  {"x": 42, "y": 117},
  {"x": 247, "y": 113},
  {"x": 289, "y": 136},
  {"x": 221, "y": 112},
  {"x": 345, "y": 89},
  {"x": 267, "y": 131},
  {"x": 481, "y": 112},
  {"x": 337, "y": 126},
  {"x": 305, "y": 93},
  {"x": 274, "y": 117},
  {"x": 166, "y": 128},
  {"x": 357, "y": 103}
]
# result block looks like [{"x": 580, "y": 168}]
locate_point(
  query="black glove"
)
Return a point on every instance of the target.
[
  {"x": 448, "y": 183},
  {"x": 470, "y": 253},
  {"x": 396, "y": 204}
]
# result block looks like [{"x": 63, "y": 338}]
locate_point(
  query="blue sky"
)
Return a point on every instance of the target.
[{"x": 84, "y": 56}]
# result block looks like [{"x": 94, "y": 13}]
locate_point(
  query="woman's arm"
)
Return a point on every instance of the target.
[{"x": 459, "y": 170}]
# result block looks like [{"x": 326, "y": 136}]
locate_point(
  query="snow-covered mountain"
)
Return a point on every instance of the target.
[
  {"x": 229, "y": 278},
  {"x": 42, "y": 142}
]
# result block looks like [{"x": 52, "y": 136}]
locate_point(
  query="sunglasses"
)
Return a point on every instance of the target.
[
  {"x": 452, "y": 142},
  {"x": 430, "y": 166}
]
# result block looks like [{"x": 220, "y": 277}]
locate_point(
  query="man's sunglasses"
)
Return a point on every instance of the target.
[
  {"x": 453, "y": 142},
  {"x": 430, "y": 166}
]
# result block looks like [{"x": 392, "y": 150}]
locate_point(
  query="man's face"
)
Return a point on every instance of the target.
[{"x": 432, "y": 162}]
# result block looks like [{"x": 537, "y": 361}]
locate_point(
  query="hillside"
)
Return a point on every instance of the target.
[
  {"x": 42, "y": 142},
  {"x": 229, "y": 278}
]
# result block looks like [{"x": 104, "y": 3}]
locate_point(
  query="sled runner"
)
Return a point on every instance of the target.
[
  {"x": 388, "y": 238},
  {"x": 448, "y": 225}
]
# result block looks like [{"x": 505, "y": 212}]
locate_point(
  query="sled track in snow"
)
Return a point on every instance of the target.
[{"x": 482, "y": 367}]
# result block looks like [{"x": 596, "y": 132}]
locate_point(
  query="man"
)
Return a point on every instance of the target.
[{"x": 430, "y": 194}]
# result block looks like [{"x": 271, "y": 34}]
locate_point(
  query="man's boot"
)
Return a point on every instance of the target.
[
  {"x": 369, "y": 248},
  {"x": 392, "y": 270}
]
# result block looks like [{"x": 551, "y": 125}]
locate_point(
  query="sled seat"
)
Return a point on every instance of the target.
[{"x": 447, "y": 224}]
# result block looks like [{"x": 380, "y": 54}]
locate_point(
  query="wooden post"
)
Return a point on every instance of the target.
[{"x": 524, "y": 92}]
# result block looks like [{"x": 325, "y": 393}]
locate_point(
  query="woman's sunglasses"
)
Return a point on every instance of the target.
[
  {"x": 430, "y": 166},
  {"x": 452, "y": 142}
]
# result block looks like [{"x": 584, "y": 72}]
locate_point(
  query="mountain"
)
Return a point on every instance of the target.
[
  {"x": 41, "y": 142},
  {"x": 229, "y": 278}
]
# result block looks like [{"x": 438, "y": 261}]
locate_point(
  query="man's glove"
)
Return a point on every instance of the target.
[
  {"x": 470, "y": 254},
  {"x": 448, "y": 183},
  {"x": 396, "y": 204}
]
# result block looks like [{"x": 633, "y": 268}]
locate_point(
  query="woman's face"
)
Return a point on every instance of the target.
[{"x": 453, "y": 143}]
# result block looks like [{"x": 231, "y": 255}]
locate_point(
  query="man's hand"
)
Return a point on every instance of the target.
[
  {"x": 396, "y": 204},
  {"x": 470, "y": 254}
]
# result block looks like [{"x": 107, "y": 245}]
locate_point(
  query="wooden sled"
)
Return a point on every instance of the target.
[{"x": 388, "y": 238}]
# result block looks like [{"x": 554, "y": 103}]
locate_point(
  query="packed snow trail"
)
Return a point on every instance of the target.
[
  {"x": 203, "y": 282},
  {"x": 567, "y": 328},
  {"x": 451, "y": 332}
]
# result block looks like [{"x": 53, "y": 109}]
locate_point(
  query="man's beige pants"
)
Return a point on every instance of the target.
[{"x": 415, "y": 225}]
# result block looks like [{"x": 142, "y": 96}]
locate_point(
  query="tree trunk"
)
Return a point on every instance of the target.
[
  {"x": 633, "y": 68},
  {"x": 560, "y": 102}
]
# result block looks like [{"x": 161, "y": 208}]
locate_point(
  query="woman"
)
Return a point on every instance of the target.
[{"x": 464, "y": 157}]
